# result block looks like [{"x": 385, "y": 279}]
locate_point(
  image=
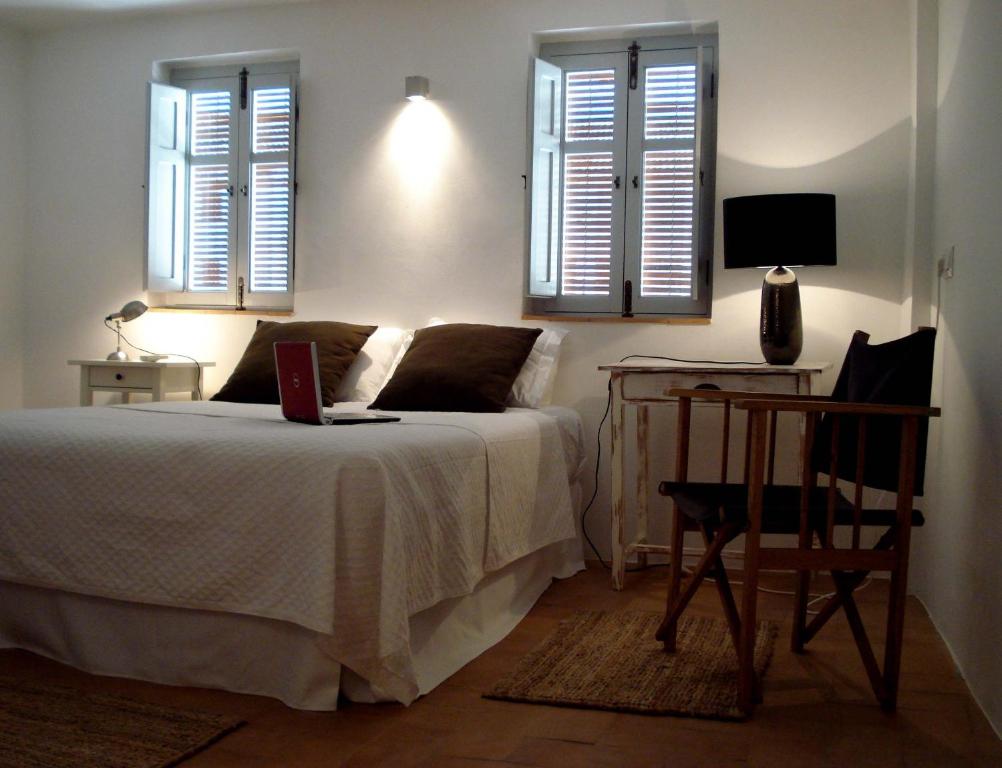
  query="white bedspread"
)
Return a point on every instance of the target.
[{"x": 345, "y": 530}]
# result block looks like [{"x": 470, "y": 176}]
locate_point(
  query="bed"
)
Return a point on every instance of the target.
[{"x": 215, "y": 544}]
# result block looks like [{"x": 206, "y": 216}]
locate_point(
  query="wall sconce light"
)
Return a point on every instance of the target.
[{"x": 416, "y": 88}]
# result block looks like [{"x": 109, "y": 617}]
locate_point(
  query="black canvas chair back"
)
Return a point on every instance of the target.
[{"x": 896, "y": 372}]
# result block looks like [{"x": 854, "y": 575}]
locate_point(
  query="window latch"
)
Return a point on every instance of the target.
[
  {"x": 243, "y": 190},
  {"x": 634, "y": 59},
  {"x": 628, "y": 298},
  {"x": 229, "y": 190}
]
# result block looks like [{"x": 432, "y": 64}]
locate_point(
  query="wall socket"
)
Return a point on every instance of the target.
[{"x": 946, "y": 263}]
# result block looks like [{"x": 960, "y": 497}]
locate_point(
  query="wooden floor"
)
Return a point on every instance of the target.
[{"x": 818, "y": 710}]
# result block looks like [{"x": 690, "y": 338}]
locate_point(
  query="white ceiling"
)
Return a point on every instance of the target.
[{"x": 48, "y": 14}]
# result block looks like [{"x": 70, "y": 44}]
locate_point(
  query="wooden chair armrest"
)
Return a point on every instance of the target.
[
  {"x": 733, "y": 394},
  {"x": 833, "y": 406}
]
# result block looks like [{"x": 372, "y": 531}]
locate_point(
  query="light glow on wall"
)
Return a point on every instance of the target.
[{"x": 420, "y": 142}]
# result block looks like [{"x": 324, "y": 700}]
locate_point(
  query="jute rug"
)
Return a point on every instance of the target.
[
  {"x": 602, "y": 660},
  {"x": 55, "y": 727}
]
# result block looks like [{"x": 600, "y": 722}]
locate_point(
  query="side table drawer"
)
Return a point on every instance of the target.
[
  {"x": 134, "y": 378},
  {"x": 655, "y": 386}
]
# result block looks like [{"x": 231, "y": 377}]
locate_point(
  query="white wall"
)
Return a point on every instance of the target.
[
  {"x": 13, "y": 195},
  {"x": 403, "y": 215},
  {"x": 957, "y": 565}
]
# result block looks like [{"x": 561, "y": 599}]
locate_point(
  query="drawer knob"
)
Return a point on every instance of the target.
[{"x": 119, "y": 377}]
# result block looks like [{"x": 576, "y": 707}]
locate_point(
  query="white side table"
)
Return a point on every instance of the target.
[
  {"x": 155, "y": 379},
  {"x": 643, "y": 385}
]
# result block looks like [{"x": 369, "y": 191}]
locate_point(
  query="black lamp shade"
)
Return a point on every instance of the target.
[{"x": 769, "y": 230}]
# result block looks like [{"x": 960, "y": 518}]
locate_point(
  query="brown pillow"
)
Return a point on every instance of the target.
[
  {"x": 254, "y": 381},
  {"x": 458, "y": 367}
]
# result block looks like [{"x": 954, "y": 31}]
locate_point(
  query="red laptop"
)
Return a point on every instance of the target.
[{"x": 299, "y": 387}]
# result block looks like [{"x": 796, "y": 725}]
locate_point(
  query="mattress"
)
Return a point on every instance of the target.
[{"x": 344, "y": 531}]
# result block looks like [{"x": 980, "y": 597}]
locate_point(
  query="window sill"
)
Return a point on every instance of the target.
[
  {"x": 226, "y": 311},
  {"x": 662, "y": 319}
]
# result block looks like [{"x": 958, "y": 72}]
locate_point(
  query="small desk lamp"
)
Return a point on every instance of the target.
[
  {"x": 770, "y": 230},
  {"x": 130, "y": 311}
]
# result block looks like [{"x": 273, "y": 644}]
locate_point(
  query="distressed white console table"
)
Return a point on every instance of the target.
[{"x": 647, "y": 383}]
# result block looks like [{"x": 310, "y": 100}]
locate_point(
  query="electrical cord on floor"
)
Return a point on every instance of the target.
[
  {"x": 198, "y": 366},
  {"x": 598, "y": 445}
]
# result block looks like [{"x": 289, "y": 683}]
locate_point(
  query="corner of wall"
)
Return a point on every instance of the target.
[{"x": 13, "y": 207}]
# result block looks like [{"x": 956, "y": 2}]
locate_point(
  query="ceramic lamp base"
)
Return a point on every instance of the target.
[{"x": 781, "y": 332}]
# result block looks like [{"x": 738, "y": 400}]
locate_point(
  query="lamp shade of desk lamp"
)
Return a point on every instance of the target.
[
  {"x": 130, "y": 311},
  {"x": 778, "y": 231}
]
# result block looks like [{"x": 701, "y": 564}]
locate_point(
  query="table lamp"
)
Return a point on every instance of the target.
[
  {"x": 774, "y": 230},
  {"x": 130, "y": 311}
]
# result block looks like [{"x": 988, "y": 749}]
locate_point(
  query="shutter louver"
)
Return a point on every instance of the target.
[
  {"x": 669, "y": 181},
  {"x": 587, "y": 237},
  {"x": 667, "y": 256},
  {"x": 270, "y": 227},
  {"x": 670, "y": 102},
  {"x": 590, "y": 105},
  {"x": 272, "y": 119},
  {"x": 210, "y": 123},
  {"x": 209, "y": 227}
]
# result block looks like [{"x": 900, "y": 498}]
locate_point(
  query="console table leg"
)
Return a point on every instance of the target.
[{"x": 618, "y": 472}]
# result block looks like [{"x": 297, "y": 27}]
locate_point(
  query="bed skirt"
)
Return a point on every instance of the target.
[{"x": 248, "y": 654}]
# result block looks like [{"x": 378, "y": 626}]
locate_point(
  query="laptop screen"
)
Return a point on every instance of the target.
[{"x": 299, "y": 381}]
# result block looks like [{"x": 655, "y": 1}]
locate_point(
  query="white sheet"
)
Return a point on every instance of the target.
[
  {"x": 346, "y": 531},
  {"x": 247, "y": 654}
]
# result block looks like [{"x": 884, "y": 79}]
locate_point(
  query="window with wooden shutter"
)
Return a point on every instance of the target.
[
  {"x": 636, "y": 178},
  {"x": 234, "y": 243}
]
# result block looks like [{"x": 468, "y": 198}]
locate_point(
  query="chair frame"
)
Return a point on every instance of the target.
[{"x": 848, "y": 566}]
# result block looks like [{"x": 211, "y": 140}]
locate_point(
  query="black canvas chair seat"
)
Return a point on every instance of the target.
[{"x": 717, "y": 503}]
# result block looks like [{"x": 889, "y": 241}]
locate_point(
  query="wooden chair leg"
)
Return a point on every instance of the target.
[
  {"x": 748, "y": 692},
  {"x": 853, "y": 579},
  {"x": 668, "y": 632},
  {"x": 724, "y": 586},
  {"x": 797, "y": 637},
  {"x": 895, "y": 636},
  {"x": 844, "y": 587},
  {"x": 710, "y": 558}
]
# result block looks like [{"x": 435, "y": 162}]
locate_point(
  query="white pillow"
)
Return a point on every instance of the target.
[
  {"x": 373, "y": 365},
  {"x": 533, "y": 388}
]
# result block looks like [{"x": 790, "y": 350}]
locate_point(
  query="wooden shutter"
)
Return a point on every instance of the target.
[
  {"x": 211, "y": 193},
  {"x": 267, "y": 158},
  {"x": 663, "y": 213},
  {"x": 544, "y": 232},
  {"x": 166, "y": 182},
  {"x": 594, "y": 152}
]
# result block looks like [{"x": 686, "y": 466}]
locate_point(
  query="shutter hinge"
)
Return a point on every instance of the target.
[
  {"x": 634, "y": 58},
  {"x": 243, "y": 88},
  {"x": 628, "y": 298},
  {"x": 240, "y": 294},
  {"x": 713, "y": 84},
  {"x": 295, "y": 187},
  {"x": 700, "y": 177}
]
